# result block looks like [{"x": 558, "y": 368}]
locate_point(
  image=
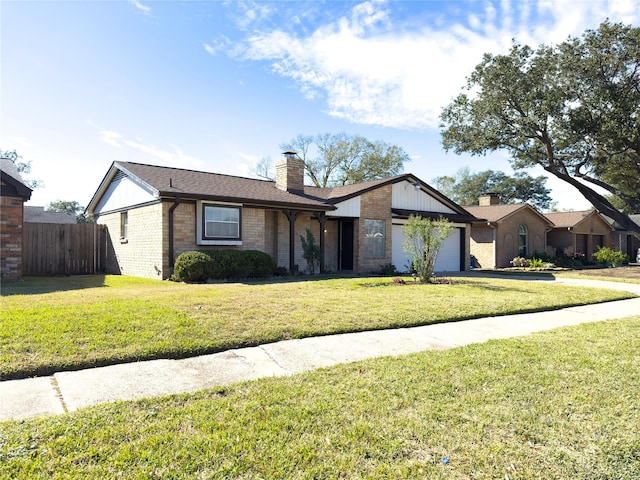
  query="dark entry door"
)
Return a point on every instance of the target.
[{"x": 345, "y": 254}]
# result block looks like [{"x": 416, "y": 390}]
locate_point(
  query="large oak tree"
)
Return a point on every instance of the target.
[
  {"x": 340, "y": 159},
  {"x": 572, "y": 108},
  {"x": 465, "y": 188}
]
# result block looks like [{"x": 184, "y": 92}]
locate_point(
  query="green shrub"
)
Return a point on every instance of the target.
[
  {"x": 192, "y": 267},
  {"x": 609, "y": 256},
  {"x": 569, "y": 262},
  {"x": 388, "y": 270},
  {"x": 260, "y": 264},
  {"x": 241, "y": 264},
  {"x": 536, "y": 263},
  {"x": 311, "y": 251},
  {"x": 226, "y": 264}
]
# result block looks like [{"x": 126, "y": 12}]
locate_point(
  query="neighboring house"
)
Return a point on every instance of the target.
[
  {"x": 505, "y": 232},
  {"x": 155, "y": 213},
  {"x": 623, "y": 240},
  {"x": 13, "y": 194},
  {"x": 578, "y": 233},
  {"x": 39, "y": 215}
]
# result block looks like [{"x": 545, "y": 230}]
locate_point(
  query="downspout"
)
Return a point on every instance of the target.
[{"x": 171, "y": 210}]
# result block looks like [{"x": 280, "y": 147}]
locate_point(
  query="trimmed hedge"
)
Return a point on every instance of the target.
[
  {"x": 202, "y": 265},
  {"x": 193, "y": 267}
]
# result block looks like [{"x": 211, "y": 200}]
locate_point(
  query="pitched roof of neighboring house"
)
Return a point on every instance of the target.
[
  {"x": 172, "y": 182},
  {"x": 39, "y": 215},
  {"x": 571, "y": 219},
  {"x": 499, "y": 213},
  {"x": 616, "y": 226},
  {"x": 11, "y": 177}
]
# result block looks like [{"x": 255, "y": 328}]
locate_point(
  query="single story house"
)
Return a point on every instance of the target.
[
  {"x": 578, "y": 233},
  {"x": 505, "y": 232},
  {"x": 623, "y": 240},
  {"x": 13, "y": 194},
  {"x": 154, "y": 213},
  {"x": 40, "y": 215}
]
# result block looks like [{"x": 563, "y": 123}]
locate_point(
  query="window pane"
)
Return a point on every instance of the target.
[
  {"x": 221, "y": 222},
  {"x": 374, "y": 241}
]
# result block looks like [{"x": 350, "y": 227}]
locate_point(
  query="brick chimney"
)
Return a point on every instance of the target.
[
  {"x": 489, "y": 198},
  {"x": 290, "y": 172}
]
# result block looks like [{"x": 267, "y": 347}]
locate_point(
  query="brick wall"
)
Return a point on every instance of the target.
[
  {"x": 11, "y": 222},
  {"x": 508, "y": 237},
  {"x": 290, "y": 174},
  {"x": 561, "y": 241},
  {"x": 331, "y": 245},
  {"x": 145, "y": 252},
  {"x": 374, "y": 205},
  {"x": 303, "y": 221},
  {"x": 482, "y": 246},
  {"x": 258, "y": 231},
  {"x": 141, "y": 253},
  {"x": 184, "y": 231},
  {"x": 271, "y": 219}
]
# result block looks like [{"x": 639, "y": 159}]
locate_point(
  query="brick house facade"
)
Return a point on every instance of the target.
[
  {"x": 506, "y": 232},
  {"x": 578, "y": 233},
  {"x": 153, "y": 214},
  {"x": 13, "y": 194}
]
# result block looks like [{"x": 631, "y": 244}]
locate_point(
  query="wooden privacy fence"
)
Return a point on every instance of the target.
[{"x": 63, "y": 249}]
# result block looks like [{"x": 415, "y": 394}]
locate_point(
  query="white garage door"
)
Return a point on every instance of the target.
[{"x": 448, "y": 260}]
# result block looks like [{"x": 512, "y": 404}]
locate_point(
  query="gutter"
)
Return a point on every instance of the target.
[{"x": 171, "y": 235}]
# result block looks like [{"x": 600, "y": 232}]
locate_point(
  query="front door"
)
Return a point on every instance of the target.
[{"x": 345, "y": 253}]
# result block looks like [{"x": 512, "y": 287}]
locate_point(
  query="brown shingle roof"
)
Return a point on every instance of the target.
[
  {"x": 497, "y": 213},
  {"x": 493, "y": 213},
  {"x": 568, "y": 219},
  {"x": 339, "y": 193},
  {"x": 168, "y": 181}
]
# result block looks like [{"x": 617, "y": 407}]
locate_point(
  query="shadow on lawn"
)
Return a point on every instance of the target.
[{"x": 36, "y": 285}]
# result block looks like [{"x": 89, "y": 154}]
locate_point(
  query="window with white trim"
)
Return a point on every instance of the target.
[
  {"x": 221, "y": 222},
  {"x": 124, "y": 225},
  {"x": 374, "y": 238}
]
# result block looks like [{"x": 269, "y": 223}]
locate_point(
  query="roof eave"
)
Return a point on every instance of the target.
[
  {"x": 21, "y": 189},
  {"x": 106, "y": 181},
  {"x": 250, "y": 202}
]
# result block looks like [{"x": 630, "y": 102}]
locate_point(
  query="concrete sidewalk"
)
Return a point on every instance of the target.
[{"x": 68, "y": 391}]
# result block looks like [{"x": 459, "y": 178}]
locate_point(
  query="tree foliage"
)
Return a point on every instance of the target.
[
  {"x": 572, "y": 108},
  {"x": 424, "y": 238},
  {"x": 71, "y": 207},
  {"x": 341, "y": 159},
  {"x": 264, "y": 169},
  {"x": 22, "y": 167},
  {"x": 465, "y": 187},
  {"x": 311, "y": 251}
]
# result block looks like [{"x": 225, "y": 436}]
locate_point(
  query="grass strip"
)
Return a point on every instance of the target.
[
  {"x": 119, "y": 319},
  {"x": 557, "y": 404}
]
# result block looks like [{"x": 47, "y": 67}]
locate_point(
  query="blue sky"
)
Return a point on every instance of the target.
[{"x": 217, "y": 86}]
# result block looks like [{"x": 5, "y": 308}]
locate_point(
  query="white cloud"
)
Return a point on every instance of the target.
[
  {"x": 172, "y": 156},
  {"x": 250, "y": 12},
  {"x": 111, "y": 138},
  {"x": 217, "y": 46},
  {"x": 371, "y": 71},
  {"x": 138, "y": 5}
]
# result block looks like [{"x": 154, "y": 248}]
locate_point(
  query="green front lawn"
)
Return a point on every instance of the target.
[
  {"x": 561, "y": 404},
  {"x": 48, "y": 325}
]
